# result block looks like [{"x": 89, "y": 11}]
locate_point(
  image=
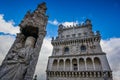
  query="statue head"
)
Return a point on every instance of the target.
[{"x": 30, "y": 41}]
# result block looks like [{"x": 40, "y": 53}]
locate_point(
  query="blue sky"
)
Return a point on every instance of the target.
[{"x": 105, "y": 14}]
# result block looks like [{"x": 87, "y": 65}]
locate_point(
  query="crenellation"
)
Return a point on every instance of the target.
[
  {"x": 75, "y": 40},
  {"x": 87, "y": 24}
]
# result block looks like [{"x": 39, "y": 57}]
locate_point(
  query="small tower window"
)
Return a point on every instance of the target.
[
  {"x": 66, "y": 50},
  {"x": 83, "y": 48},
  {"x": 79, "y": 34},
  {"x": 73, "y": 35},
  {"x": 62, "y": 36},
  {"x": 85, "y": 34},
  {"x": 67, "y": 36}
]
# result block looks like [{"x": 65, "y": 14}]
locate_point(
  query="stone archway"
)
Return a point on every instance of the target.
[
  {"x": 61, "y": 64},
  {"x": 97, "y": 63},
  {"x": 74, "y": 65},
  {"x": 67, "y": 65},
  {"x": 89, "y": 64},
  {"x": 81, "y": 64},
  {"x": 55, "y": 64}
]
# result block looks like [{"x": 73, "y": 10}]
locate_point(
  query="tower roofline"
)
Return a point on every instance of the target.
[
  {"x": 42, "y": 5},
  {"x": 85, "y": 24}
]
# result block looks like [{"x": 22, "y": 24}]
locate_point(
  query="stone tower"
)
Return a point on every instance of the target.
[
  {"x": 77, "y": 55},
  {"x": 21, "y": 60}
]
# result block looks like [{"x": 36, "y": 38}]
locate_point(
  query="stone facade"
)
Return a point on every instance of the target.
[
  {"x": 77, "y": 55},
  {"x": 21, "y": 60}
]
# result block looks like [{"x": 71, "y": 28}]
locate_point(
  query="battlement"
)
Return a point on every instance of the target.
[
  {"x": 87, "y": 23},
  {"x": 78, "y": 31}
]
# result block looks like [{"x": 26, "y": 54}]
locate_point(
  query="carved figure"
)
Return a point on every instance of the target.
[{"x": 17, "y": 63}]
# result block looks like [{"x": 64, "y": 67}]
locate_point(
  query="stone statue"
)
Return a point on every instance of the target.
[
  {"x": 21, "y": 60},
  {"x": 18, "y": 62}
]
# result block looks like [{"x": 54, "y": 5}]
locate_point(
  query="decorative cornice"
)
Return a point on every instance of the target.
[
  {"x": 58, "y": 56},
  {"x": 76, "y": 39}
]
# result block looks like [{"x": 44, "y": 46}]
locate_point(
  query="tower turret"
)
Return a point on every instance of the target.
[{"x": 88, "y": 21}]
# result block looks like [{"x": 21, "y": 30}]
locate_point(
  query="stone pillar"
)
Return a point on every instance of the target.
[
  {"x": 71, "y": 65},
  {"x": 64, "y": 65},
  {"x": 79, "y": 74},
  {"x": 86, "y": 74},
  {"x": 78, "y": 64},
  {"x": 94, "y": 74},
  {"x": 93, "y": 64},
  {"x": 60, "y": 74},
  {"x": 58, "y": 65},
  {"x": 85, "y": 65},
  {"x": 83, "y": 74},
  {"x": 91, "y": 74},
  {"x": 98, "y": 73}
]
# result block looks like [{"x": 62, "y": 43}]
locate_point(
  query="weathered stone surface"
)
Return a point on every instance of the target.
[{"x": 21, "y": 60}]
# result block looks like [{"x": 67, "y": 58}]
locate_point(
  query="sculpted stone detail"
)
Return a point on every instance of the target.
[
  {"x": 17, "y": 62},
  {"x": 21, "y": 60}
]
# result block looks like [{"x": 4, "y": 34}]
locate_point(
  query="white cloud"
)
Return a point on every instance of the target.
[
  {"x": 112, "y": 48},
  {"x": 54, "y": 22},
  {"x": 8, "y": 27},
  {"x": 66, "y": 24},
  {"x": 5, "y": 44},
  {"x": 70, "y": 23},
  {"x": 46, "y": 51}
]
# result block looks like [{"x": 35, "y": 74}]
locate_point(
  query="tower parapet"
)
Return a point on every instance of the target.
[
  {"x": 87, "y": 24},
  {"x": 80, "y": 33}
]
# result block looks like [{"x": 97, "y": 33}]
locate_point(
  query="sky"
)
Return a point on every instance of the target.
[{"x": 104, "y": 14}]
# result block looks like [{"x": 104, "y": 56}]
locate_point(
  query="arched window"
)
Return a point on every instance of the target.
[
  {"x": 66, "y": 49},
  {"x": 61, "y": 64},
  {"x": 74, "y": 63},
  {"x": 83, "y": 48},
  {"x": 81, "y": 64},
  {"x": 97, "y": 63},
  {"x": 89, "y": 64},
  {"x": 55, "y": 63},
  {"x": 67, "y": 65}
]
